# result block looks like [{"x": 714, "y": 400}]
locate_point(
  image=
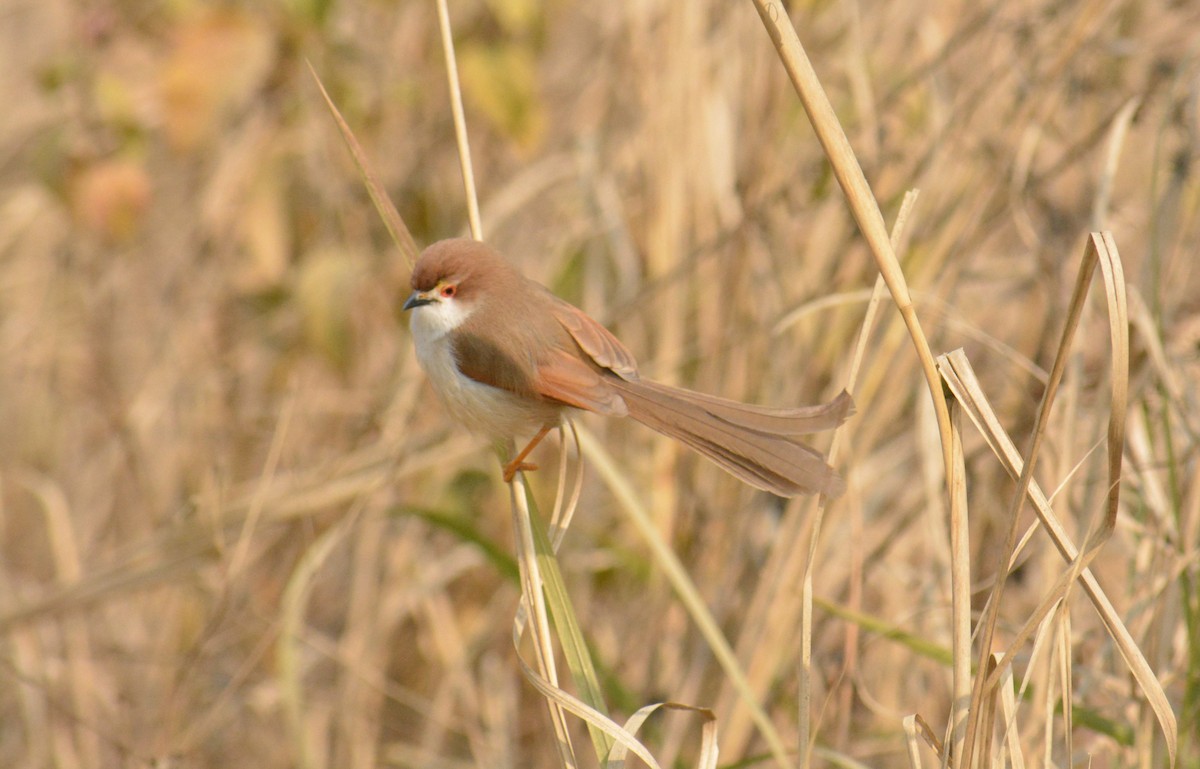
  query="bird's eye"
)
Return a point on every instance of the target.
[{"x": 449, "y": 291}]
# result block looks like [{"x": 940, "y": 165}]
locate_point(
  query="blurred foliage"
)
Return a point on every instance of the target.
[
  {"x": 499, "y": 81},
  {"x": 218, "y": 60},
  {"x": 326, "y": 291},
  {"x": 109, "y": 198}
]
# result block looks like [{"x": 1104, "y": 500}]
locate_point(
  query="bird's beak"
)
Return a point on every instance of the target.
[{"x": 419, "y": 298}]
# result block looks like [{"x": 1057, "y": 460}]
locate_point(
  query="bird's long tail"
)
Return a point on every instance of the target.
[{"x": 756, "y": 444}]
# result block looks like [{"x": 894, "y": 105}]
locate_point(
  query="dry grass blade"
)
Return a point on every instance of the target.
[
  {"x": 686, "y": 590},
  {"x": 605, "y": 732},
  {"x": 543, "y": 588},
  {"x": 1040, "y": 661},
  {"x": 1120, "y": 129},
  {"x": 577, "y": 707},
  {"x": 533, "y": 606},
  {"x": 564, "y": 509},
  {"x": 291, "y": 670},
  {"x": 985, "y": 711},
  {"x": 383, "y": 204},
  {"x": 912, "y": 735},
  {"x": 249, "y": 526},
  {"x": 1008, "y": 709},
  {"x": 960, "y": 587},
  {"x": 570, "y": 636},
  {"x": 708, "y": 734},
  {"x": 161, "y": 559},
  {"x": 991, "y": 610},
  {"x": 961, "y": 379},
  {"x": 571, "y": 704},
  {"x": 1105, "y": 252},
  {"x": 1063, "y": 627},
  {"x": 176, "y": 553},
  {"x": 1118, "y": 329},
  {"x": 1101, "y": 250}
]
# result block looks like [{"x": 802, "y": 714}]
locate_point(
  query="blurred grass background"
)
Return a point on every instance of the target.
[{"x": 229, "y": 501}]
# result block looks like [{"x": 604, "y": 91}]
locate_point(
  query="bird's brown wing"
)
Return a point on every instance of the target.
[
  {"x": 566, "y": 377},
  {"x": 574, "y": 376},
  {"x": 480, "y": 359},
  {"x": 595, "y": 340}
]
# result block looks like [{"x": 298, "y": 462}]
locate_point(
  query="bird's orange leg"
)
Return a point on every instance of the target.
[{"x": 519, "y": 464}]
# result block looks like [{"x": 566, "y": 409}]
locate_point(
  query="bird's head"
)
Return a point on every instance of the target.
[{"x": 449, "y": 281}]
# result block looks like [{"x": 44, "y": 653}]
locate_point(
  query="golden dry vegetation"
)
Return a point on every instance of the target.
[{"x": 237, "y": 528}]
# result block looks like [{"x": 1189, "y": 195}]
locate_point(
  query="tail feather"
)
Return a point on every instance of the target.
[
  {"x": 754, "y": 443},
  {"x": 765, "y": 419}
]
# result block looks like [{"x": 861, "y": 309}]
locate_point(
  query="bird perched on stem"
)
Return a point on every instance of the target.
[{"x": 509, "y": 358}]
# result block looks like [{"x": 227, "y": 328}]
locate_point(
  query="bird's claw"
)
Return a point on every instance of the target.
[{"x": 512, "y": 468}]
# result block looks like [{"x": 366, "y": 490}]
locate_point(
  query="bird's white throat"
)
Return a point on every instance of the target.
[
  {"x": 482, "y": 408},
  {"x": 433, "y": 321},
  {"x": 430, "y": 324}
]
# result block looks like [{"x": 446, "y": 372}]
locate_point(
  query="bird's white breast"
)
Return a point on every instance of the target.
[{"x": 480, "y": 407}]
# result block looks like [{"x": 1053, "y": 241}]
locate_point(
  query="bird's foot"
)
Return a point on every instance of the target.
[{"x": 517, "y": 466}]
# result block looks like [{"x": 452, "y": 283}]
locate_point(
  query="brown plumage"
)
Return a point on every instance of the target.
[{"x": 508, "y": 356}]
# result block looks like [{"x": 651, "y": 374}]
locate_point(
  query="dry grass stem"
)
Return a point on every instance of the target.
[
  {"x": 912, "y": 741},
  {"x": 858, "y": 194},
  {"x": 962, "y": 382},
  {"x": 805, "y": 709},
  {"x": 460, "y": 121},
  {"x": 533, "y": 610},
  {"x": 685, "y": 589},
  {"x": 960, "y": 590}
]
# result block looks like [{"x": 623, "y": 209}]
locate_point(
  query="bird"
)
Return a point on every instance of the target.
[{"x": 509, "y": 358}]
